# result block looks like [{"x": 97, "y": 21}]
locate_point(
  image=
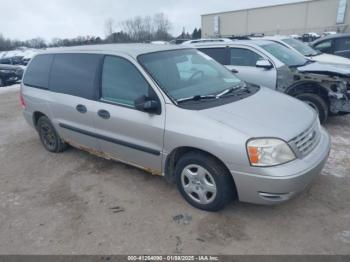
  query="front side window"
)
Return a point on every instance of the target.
[
  {"x": 37, "y": 73},
  {"x": 188, "y": 73},
  {"x": 243, "y": 57},
  {"x": 284, "y": 54},
  {"x": 325, "y": 46},
  {"x": 122, "y": 82},
  {"x": 302, "y": 48}
]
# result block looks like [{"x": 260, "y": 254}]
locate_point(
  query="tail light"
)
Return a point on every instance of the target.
[{"x": 21, "y": 99}]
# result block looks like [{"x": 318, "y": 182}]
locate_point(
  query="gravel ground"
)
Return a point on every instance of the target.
[{"x": 76, "y": 203}]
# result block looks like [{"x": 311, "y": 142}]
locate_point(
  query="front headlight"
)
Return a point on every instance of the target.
[{"x": 269, "y": 152}]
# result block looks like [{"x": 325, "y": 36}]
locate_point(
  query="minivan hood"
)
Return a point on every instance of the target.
[
  {"x": 327, "y": 69},
  {"x": 331, "y": 59},
  {"x": 265, "y": 114}
]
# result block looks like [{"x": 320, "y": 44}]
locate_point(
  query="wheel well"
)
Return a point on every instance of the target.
[
  {"x": 176, "y": 154},
  {"x": 36, "y": 117},
  {"x": 309, "y": 87}
]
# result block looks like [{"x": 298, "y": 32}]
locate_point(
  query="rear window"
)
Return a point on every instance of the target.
[
  {"x": 75, "y": 74},
  {"x": 37, "y": 74},
  {"x": 219, "y": 54}
]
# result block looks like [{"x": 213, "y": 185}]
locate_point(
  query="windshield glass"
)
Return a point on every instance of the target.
[
  {"x": 284, "y": 54},
  {"x": 302, "y": 48},
  {"x": 188, "y": 73}
]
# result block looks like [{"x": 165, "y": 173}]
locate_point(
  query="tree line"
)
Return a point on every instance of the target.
[{"x": 137, "y": 29}]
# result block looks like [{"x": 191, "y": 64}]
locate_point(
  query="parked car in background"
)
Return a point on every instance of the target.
[
  {"x": 307, "y": 50},
  {"x": 177, "y": 41},
  {"x": 295, "y": 36},
  {"x": 328, "y": 33},
  {"x": 15, "y": 60},
  {"x": 10, "y": 74},
  {"x": 309, "y": 37},
  {"x": 324, "y": 87},
  {"x": 338, "y": 44},
  {"x": 174, "y": 111}
]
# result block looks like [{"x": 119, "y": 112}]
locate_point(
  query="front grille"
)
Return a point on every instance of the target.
[{"x": 305, "y": 142}]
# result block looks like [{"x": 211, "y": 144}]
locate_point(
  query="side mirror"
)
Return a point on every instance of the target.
[
  {"x": 263, "y": 64},
  {"x": 147, "y": 104}
]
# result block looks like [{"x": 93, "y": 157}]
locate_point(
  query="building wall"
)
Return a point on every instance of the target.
[{"x": 297, "y": 18}]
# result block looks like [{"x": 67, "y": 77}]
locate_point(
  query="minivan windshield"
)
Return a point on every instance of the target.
[
  {"x": 284, "y": 54},
  {"x": 302, "y": 48},
  {"x": 188, "y": 73}
]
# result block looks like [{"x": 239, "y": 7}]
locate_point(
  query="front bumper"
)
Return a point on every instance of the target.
[{"x": 272, "y": 185}]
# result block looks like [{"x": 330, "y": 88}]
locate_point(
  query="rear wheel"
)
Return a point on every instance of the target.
[
  {"x": 317, "y": 103},
  {"x": 204, "y": 182},
  {"x": 49, "y": 137}
]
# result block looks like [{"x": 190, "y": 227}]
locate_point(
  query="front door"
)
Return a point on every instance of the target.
[
  {"x": 242, "y": 62},
  {"x": 127, "y": 134}
]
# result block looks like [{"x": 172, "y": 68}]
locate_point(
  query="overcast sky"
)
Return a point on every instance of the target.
[{"x": 25, "y": 19}]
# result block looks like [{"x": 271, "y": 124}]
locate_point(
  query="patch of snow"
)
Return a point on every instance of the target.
[
  {"x": 25, "y": 52},
  {"x": 344, "y": 236},
  {"x": 9, "y": 89}
]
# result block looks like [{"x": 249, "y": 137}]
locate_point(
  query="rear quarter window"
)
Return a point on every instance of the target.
[
  {"x": 76, "y": 74},
  {"x": 37, "y": 73},
  {"x": 219, "y": 54},
  {"x": 342, "y": 44}
]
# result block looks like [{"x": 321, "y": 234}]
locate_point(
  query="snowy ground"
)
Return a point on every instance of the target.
[
  {"x": 9, "y": 89},
  {"x": 76, "y": 203}
]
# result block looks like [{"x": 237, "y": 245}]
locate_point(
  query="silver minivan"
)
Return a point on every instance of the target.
[{"x": 176, "y": 112}]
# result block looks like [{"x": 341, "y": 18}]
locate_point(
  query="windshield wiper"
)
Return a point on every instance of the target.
[
  {"x": 230, "y": 90},
  {"x": 211, "y": 96},
  {"x": 195, "y": 98}
]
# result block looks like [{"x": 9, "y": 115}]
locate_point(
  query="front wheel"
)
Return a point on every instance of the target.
[
  {"x": 317, "y": 103},
  {"x": 204, "y": 182}
]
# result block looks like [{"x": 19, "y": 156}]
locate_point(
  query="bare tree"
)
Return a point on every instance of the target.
[
  {"x": 162, "y": 26},
  {"x": 109, "y": 27},
  {"x": 36, "y": 43},
  {"x": 146, "y": 28}
]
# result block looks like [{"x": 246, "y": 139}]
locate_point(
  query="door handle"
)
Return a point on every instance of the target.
[
  {"x": 103, "y": 114},
  {"x": 81, "y": 108},
  {"x": 235, "y": 71}
]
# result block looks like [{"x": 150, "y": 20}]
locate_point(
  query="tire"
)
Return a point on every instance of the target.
[
  {"x": 49, "y": 137},
  {"x": 204, "y": 182},
  {"x": 317, "y": 103}
]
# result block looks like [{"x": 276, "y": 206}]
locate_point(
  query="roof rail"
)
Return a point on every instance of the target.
[{"x": 246, "y": 37}]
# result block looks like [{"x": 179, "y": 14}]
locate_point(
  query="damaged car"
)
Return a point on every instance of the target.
[
  {"x": 325, "y": 87},
  {"x": 308, "y": 51}
]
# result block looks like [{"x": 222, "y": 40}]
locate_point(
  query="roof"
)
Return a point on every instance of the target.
[
  {"x": 275, "y": 37},
  {"x": 234, "y": 42},
  {"x": 129, "y": 49},
  {"x": 259, "y": 7}
]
